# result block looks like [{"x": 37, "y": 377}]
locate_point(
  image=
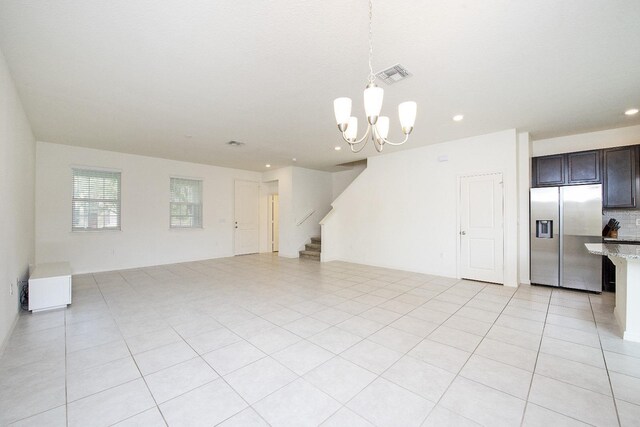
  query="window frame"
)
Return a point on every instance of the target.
[
  {"x": 74, "y": 199},
  {"x": 199, "y": 205}
]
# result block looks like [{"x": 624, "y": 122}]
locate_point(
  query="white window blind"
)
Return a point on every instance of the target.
[
  {"x": 186, "y": 203},
  {"x": 96, "y": 200}
]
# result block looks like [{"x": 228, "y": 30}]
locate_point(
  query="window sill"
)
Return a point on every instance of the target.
[
  {"x": 95, "y": 231},
  {"x": 185, "y": 228}
]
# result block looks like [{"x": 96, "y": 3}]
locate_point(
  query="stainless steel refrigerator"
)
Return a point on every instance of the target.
[{"x": 563, "y": 219}]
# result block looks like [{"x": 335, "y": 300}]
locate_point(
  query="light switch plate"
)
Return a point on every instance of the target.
[{"x": 638, "y": 222}]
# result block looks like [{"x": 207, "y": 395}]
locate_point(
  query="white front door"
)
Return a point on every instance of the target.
[
  {"x": 247, "y": 208},
  {"x": 481, "y": 228}
]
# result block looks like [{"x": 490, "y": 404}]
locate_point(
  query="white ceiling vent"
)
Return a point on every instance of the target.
[
  {"x": 393, "y": 74},
  {"x": 235, "y": 143}
]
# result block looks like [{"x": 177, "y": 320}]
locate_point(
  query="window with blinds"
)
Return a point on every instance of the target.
[
  {"x": 186, "y": 203},
  {"x": 96, "y": 200}
]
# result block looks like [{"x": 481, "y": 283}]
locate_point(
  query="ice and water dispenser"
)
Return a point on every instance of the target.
[{"x": 544, "y": 229}]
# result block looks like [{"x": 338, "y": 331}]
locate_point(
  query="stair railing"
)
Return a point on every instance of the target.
[{"x": 306, "y": 217}]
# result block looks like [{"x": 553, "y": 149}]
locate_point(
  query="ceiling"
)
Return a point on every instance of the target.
[{"x": 176, "y": 79}]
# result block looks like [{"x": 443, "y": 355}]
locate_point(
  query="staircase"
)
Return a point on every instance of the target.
[{"x": 312, "y": 250}]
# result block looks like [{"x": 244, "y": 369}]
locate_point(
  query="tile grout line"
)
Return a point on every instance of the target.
[
  {"x": 341, "y": 405},
  {"x": 378, "y": 376},
  {"x": 306, "y": 294},
  {"x": 473, "y": 352},
  {"x": 406, "y": 354},
  {"x": 535, "y": 365},
  {"x": 134, "y": 361},
  {"x": 606, "y": 367},
  {"x": 559, "y": 380},
  {"x": 225, "y": 381},
  {"x": 199, "y": 356}
]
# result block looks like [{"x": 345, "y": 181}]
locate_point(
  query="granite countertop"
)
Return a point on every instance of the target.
[
  {"x": 621, "y": 239},
  {"x": 614, "y": 249}
]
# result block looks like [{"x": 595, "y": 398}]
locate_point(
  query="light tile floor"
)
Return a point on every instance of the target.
[{"x": 261, "y": 340}]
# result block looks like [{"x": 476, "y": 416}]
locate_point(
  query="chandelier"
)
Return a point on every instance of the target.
[{"x": 377, "y": 125}]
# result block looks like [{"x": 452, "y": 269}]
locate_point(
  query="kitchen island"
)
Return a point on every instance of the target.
[{"x": 627, "y": 261}]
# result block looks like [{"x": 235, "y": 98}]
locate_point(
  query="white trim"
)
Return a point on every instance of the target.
[
  {"x": 193, "y": 178},
  {"x": 95, "y": 168}
]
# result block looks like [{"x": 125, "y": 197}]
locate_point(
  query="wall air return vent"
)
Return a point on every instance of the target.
[{"x": 393, "y": 74}]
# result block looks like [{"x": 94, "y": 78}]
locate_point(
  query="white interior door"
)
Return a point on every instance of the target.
[
  {"x": 481, "y": 228},
  {"x": 274, "y": 229},
  {"x": 247, "y": 213}
]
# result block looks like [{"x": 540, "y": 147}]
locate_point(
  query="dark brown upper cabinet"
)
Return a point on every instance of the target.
[
  {"x": 549, "y": 170},
  {"x": 583, "y": 167},
  {"x": 620, "y": 165}
]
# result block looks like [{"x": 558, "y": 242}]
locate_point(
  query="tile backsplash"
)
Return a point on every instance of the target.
[{"x": 627, "y": 218}]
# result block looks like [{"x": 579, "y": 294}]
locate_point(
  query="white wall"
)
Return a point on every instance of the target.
[
  {"x": 524, "y": 181},
  {"x": 629, "y": 135},
  {"x": 341, "y": 180},
  {"x": 145, "y": 238},
  {"x": 401, "y": 212},
  {"x": 17, "y": 171}
]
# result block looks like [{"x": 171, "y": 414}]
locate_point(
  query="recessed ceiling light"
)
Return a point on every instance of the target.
[
  {"x": 631, "y": 111},
  {"x": 458, "y": 117},
  {"x": 337, "y": 148},
  {"x": 294, "y": 159},
  {"x": 267, "y": 165}
]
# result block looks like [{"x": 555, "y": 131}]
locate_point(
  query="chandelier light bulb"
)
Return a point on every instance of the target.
[
  {"x": 373, "y": 96},
  {"x": 352, "y": 129},
  {"x": 342, "y": 110},
  {"x": 383, "y": 126},
  {"x": 407, "y": 113}
]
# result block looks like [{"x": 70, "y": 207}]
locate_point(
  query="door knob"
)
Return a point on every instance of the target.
[{"x": 463, "y": 233}]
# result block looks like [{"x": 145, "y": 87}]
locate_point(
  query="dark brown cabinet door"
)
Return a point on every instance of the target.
[
  {"x": 583, "y": 167},
  {"x": 620, "y": 177},
  {"x": 549, "y": 170},
  {"x": 608, "y": 275}
]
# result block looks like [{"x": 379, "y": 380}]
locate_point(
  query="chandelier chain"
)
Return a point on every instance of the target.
[
  {"x": 377, "y": 126},
  {"x": 372, "y": 76}
]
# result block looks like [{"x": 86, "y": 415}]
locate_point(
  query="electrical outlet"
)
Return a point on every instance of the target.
[{"x": 638, "y": 222}]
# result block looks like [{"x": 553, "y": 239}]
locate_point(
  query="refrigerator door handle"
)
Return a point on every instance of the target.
[{"x": 561, "y": 238}]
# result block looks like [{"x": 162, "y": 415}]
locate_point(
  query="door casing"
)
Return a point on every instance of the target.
[{"x": 465, "y": 271}]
